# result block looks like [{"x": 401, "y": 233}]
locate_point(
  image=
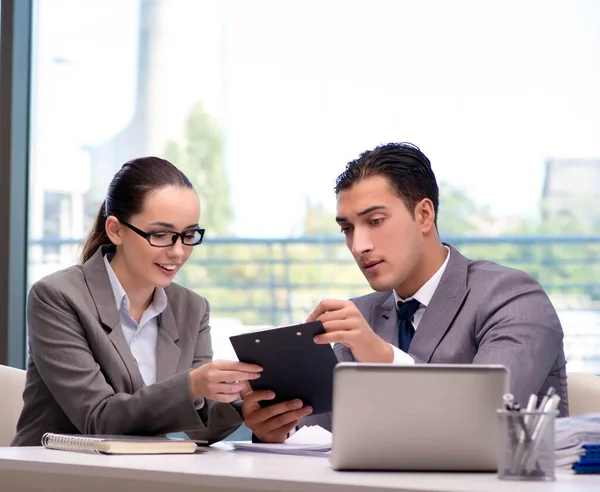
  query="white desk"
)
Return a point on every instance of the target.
[{"x": 219, "y": 469}]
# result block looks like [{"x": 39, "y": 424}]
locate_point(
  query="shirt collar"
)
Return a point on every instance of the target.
[
  {"x": 425, "y": 293},
  {"x": 159, "y": 301}
]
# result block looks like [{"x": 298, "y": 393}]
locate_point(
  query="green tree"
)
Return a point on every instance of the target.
[
  {"x": 458, "y": 213},
  {"x": 236, "y": 278},
  {"x": 318, "y": 221},
  {"x": 571, "y": 267},
  {"x": 200, "y": 157}
]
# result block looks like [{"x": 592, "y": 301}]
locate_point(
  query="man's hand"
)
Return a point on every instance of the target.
[
  {"x": 344, "y": 324},
  {"x": 272, "y": 423}
]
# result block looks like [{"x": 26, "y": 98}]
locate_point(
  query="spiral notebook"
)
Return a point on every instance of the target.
[{"x": 105, "y": 444}]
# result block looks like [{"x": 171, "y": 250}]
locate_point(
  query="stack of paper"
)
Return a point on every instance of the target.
[
  {"x": 573, "y": 437},
  {"x": 311, "y": 440}
]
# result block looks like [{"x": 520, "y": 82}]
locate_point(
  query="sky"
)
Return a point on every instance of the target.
[{"x": 488, "y": 90}]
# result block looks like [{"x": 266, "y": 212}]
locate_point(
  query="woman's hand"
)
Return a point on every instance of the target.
[{"x": 222, "y": 380}]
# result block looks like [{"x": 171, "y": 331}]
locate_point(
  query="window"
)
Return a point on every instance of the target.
[
  {"x": 263, "y": 115},
  {"x": 57, "y": 223}
]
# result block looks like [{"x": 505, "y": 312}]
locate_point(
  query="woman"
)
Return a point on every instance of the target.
[{"x": 115, "y": 346}]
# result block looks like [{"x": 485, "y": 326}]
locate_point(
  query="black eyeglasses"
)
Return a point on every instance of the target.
[{"x": 166, "y": 239}]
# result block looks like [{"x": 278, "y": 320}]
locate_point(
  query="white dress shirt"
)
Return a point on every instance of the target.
[
  {"x": 142, "y": 338},
  {"x": 423, "y": 295}
]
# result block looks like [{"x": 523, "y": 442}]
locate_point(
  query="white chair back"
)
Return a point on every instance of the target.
[
  {"x": 584, "y": 393},
  {"x": 12, "y": 383}
]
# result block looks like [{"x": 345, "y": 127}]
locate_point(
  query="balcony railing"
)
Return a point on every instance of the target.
[
  {"x": 277, "y": 280},
  {"x": 252, "y": 281}
]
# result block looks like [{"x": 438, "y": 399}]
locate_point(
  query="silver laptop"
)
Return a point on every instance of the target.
[{"x": 422, "y": 417}]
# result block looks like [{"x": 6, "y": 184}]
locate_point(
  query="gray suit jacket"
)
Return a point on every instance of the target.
[
  {"x": 83, "y": 378},
  {"x": 481, "y": 313}
]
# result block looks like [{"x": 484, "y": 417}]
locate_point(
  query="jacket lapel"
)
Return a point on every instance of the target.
[
  {"x": 168, "y": 352},
  {"x": 384, "y": 320},
  {"x": 443, "y": 308},
  {"x": 99, "y": 286}
]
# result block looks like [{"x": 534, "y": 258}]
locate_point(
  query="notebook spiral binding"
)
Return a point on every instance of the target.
[{"x": 70, "y": 443}]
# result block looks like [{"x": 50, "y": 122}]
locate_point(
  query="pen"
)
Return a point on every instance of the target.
[
  {"x": 546, "y": 397},
  {"x": 525, "y": 435},
  {"x": 511, "y": 406},
  {"x": 538, "y": 432},
  {"x": 549, "y": 393},
  {"x": 528, "y": 417},
  {"x": 520, "y": 441}
]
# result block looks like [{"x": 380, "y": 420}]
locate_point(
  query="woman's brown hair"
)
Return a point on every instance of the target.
[{"x": 126, "y": 194}]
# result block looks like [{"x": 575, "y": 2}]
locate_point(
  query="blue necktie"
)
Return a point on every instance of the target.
[{"x": 406, "y": 310}]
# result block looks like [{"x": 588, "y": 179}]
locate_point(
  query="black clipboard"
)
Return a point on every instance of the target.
[{"x": 294, "y": 366}]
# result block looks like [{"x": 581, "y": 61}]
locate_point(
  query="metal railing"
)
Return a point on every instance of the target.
[{"x": 279, "y": 280}]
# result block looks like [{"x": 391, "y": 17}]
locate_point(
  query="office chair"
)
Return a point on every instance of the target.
[
  {"x": 584, "y": 393},
  {"x": 12, "y": 383}
]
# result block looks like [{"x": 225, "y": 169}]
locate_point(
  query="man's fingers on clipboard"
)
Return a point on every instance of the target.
[
  {"x": 268, "y": 419},
  {"x": 277, "y": 435},
  {"x": 287, "y": 428},
  {"x": 339, "y": 325},
  {"x": 340, "y": 336},
  {"x": 279, "y": 424},
  {"x": 251, "y": 400},
  {"x": 279, "y": 410},
  {"x": 340, "y": 314},
  {"x": 324, "y": 306}
]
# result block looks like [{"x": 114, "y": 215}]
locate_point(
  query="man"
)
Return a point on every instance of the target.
[{"x": 431, "y": 305}]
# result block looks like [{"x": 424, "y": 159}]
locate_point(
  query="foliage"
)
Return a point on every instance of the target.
[{"x": 281, "y": 281}]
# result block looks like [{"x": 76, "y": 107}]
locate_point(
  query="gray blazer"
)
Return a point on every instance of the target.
[
  {"x": 83, "y": 379},
  {"x": 481, "y": 313}
]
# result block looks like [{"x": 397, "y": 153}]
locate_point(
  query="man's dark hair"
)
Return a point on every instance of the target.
[{"x": 407, "y": 169}]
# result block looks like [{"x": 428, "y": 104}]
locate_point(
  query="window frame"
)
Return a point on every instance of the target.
[{"x": 16, "y": 19}]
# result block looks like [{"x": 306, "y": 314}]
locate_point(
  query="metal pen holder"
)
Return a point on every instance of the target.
[{"x": 526, "y": 441}]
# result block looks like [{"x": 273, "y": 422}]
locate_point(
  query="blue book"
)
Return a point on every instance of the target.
[{"x": 590, "y": 461}]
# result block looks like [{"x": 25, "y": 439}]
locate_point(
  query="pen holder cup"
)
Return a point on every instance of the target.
[{"x": 526, "y": 445}]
